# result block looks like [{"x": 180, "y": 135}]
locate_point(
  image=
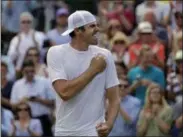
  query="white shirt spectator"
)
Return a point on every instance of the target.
[
  {"x": 79, "y": 115},
  {"x": 21, "y": 43},
  {"x": 40, "y": 87},
  {"x": 160, "y": 10}
]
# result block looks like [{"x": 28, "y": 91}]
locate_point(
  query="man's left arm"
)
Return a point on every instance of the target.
[{"x": 112, "y": 96}]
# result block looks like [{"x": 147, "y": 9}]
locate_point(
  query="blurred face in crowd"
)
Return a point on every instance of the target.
[
  {"x": 4, "y": 71},
  {"x": 26, "y": 24},
  {"x": 120, "y": 71},
  {"x": 146, "y": 58},
  {"x": 155, "y": 95},
  {"x": 122, "y": 87},
  {"x": 62, "y": 20},
  {"x": 179, "y": 18},
  {"x": 89, "y": 34},
  {"x": 23, "y": 111},
  {"x": 145, "y": 37},
  {"x": 33, "y": 55},
  {"x": 180, "y": 43},
  {"x": 119, "y": 45},
  {"x": 114, "y": 26},
  {"x": 151, "y": 18},
  {"x": 29, "y": 72}
]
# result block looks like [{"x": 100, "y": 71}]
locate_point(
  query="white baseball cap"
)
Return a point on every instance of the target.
[
  {"x": 78, "y": 19},
  {"x": 145, "y": 27}
]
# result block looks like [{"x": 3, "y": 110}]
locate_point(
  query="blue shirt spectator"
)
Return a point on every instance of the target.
[
  {"x": 151, "y": 73},
  {"x": 55, "y": 35},
  {"x": 131, "y": 106}
]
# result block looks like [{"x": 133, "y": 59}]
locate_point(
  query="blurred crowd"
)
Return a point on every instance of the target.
[{"x": 145, "y": 38}]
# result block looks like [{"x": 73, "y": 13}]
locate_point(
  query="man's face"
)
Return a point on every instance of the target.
[
  {"x": 146, "y": 37},
  {"x": 89, "y": 34},
  {"x": 62, "y": 20},
  {"x": 180, "y": 65},
  {"x": 25, "y": 23},
  {"x": 29, "y": 72},
  {"x": 179, "y": 18}
]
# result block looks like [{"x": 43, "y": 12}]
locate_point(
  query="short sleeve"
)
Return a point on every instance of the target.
[
  {"x": 36, "y": 126},
  {"x": 111, "y": 74},
  {"x": 55, "y": 65},
  {"x": 14, "y": 97}
]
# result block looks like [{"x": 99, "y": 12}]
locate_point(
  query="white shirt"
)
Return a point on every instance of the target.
[
  {"x": 40, "y": 87},
  {"x": 159, "y": 9},
  {"x": 26, "y": 41},
  {"x": 79, "y": 115}
]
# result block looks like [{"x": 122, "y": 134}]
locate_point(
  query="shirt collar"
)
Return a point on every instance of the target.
[{"x": 26, "y": 82}]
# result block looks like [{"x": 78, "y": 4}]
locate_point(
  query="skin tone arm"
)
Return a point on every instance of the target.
[
  {"x": 125, "y": 115},
  {"x": 49, "y": 103},
  {"x": 164, "y": 127},
  {"x": 142, "y": 129},
  {"x": 67, "y": 89},
  {"x": 6, "y": 102},
  {"x": 179, "y": 122},
  {"x": 113, "y": 104}
]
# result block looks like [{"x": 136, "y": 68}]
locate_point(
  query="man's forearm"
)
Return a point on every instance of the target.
[
  {"x": 125, "y": 115},
  {"x": 49, "y": 103},
  {"x": 112, "y": 111},
  {"x": 77, "y": 85}
]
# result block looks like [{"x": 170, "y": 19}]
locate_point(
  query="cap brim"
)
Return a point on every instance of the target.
[{"x": 67, "y": 32}]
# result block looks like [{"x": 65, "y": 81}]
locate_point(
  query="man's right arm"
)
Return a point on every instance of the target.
[{"x": 65, "y": 88}]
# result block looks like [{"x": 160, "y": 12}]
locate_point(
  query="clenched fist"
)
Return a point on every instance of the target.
[{"x": 98, "y": 63}]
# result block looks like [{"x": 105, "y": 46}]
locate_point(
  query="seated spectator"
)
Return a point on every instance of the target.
[
  {"x": 38, "y": 92},
  {"x": 119, "y": 47},
  {"x": 6, "y": 87},
  {"x": 6, "y": 119},
  {"x": 125, "y": 124},
  {"x": 175, "y": 80},
  {"x": 26, "y": 38},
  {"x": 145, "y": 73},
  {"x": 155, "y": 118},
  {"x": 177, "y": 128},
  {"x": 146, "y": 37},
  {"x": 158, "y": 8},
  {"x": 25, "y": 125},
  {"x": 34, "y": 54},
  {"x": 122, "y": 70},
  {"x": 61, "y": 25},
  {"x": 113, "y": 27}
]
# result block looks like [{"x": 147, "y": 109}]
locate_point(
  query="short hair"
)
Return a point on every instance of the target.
[
  {"x": 143, "y": 49},
  {"x": 72, "y": 34},
  {"x": 32, "y": 48},
  {"x": 28, "y": 63},
  {"x": 4, "y": 64}
]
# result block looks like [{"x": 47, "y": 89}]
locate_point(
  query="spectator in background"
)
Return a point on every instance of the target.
[
  {"x": 158, "y": 8},
  {"x": 26, "y": 38},
  {"x": 175, "y": 81},
  {"x": 119, "y": 45},
  {"x": 159, "y": 31},
  {"x": 6, "y": 87},
  {"x": 124, "y": 15},
  {"x": 155, "y": 118},
  {"x": 125, "y": 124},
  {"x": 146, "y": 73},
  {"x": 25, "y": 125},
  {"x": 33, "y": 54},
  {"x": 6, "y": 119},
  {"x": 55, "y": 34},
  {"x": 105, "y": 38},
  {"x": 147, "y": 37},
  {"x": 36, "y": 91},
  {"x": 177, "y": 129}
]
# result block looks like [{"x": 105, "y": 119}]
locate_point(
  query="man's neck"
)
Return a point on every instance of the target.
[
  {"x": 79, "y": 45},
  {"x": 144, "y": 67},
  {"x": 150, "y": 3}
]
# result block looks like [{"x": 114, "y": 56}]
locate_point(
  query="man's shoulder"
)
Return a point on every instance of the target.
[
  {"x": 134, "y": 69},
  {"x": 19, "y": 82},
  {"x": 98, "y": 49},
  {"x": 58, "y": 48}
]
